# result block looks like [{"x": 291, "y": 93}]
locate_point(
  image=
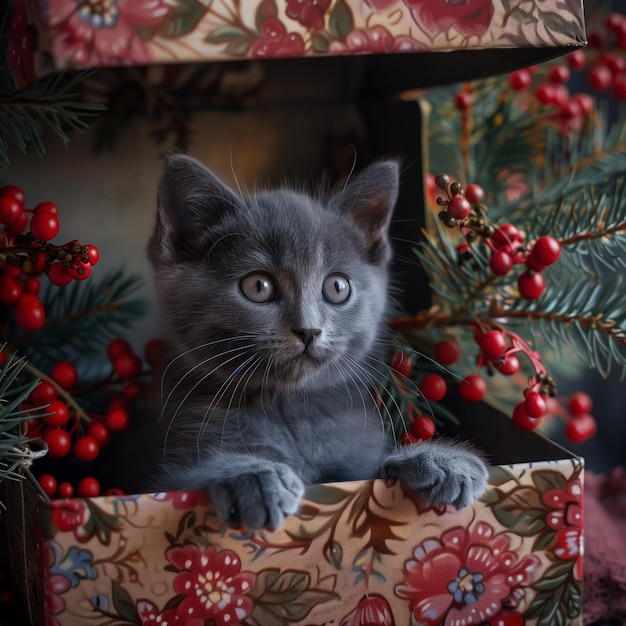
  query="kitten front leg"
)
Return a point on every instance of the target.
[
  {"x": 247, "y": 490},
  {"x": 440, "y": 472}
]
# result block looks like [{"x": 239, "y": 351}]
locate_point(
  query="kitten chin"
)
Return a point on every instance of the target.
[{"x": 275, "y": 307}]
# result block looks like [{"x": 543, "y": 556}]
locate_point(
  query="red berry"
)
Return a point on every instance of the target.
[
  {"x": 79, "y": 270},
  {"x": 509, "y": 365},
  {"x": 600, "y": 78},
  {"x": 10, "y": 291},
  {"x": 127, "y": 366},
  {"x": 520, "y": 80},
  {"x": 534, "y": 405},
  {"x": 463, "y": 100},
  {"x": 459, "y": 208},
  {"x": 65, "y": 490},
  {"x": 492, "y": 343},
  {"x": 619, "y": 89},
  {"x": 65, "y": 374},
  {"x": 472, "y": 388},
  {"x": 88, "y": 487},
  {"x": 46, "y": 207},
  {"x": 32, "y": 284},
  {"x": 131, "y": 390},
  {"x": 116, "y": 347},
  {"x": 546, "y": 250},
  {"x": 44, "y": 225},
  {"x": 500, "y": 263},
  {"x": 615, "y": 63},
  {"x": 531, "y": 264},
  {"x": 29, "y": 313},
  {"x": 580, "y": 403},
  {"x": 153, "y": 351},
  {"x": 506, "y": 234},
  {"x": 522, "y": 420},
  {"x": 58, "y": 442},
  {"x": 581, "y": 428},
  {"x": 13, "y": 191},
  {"x": 585, "y": 102},
  {"x": 117, "y": 419},
  {"x": 99, "y": 432},
  {"x": 401, "y": 363},
  {"x": 559, "y": 74},
  {"x": 447, "y": 351},
  {"x": 408, "y": 438},
  {"x": 59, "y": 275},
  {"x": 423, "y": 427},
  {"x": 58, "y": 413},
  {"x": 48, "y": 483},
  {"x": 93, "y": 254},
  {"x": 18, "y": 227},
  {"x": 43, "y": 394},
  {"x": 86, "y": 448},
  {"x": 433, "y": 387},
  {"x": 474, "y": 194},
  {"x": 10, "y": 210},
  {"x": 577, "y": 59},
  {"x": 531, "y": 285}
]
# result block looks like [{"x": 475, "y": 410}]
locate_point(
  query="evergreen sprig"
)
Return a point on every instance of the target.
[
  {"x": 13, "y": 443},
  {"x": 50, "y": 104},
  {"x": 84, "y": 316}
]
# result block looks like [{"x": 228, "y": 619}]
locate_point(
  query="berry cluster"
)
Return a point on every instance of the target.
[
  {"x": 28, "y": 254},
  {"x": 464, "y": 209},
  {"x": 498, "y": 351},
  {"x": 68, "y": 430},
  {"x": 604, "y": 62}
]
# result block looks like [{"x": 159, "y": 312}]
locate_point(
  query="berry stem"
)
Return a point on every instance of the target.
[
  {"x": 67, "y": 397},
  {"x": 587, "y": 236}
]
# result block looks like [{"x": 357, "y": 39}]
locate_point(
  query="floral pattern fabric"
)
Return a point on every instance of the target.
[
  {"x": 358, "y": 553},
  {"x": 95, "y": 33}
]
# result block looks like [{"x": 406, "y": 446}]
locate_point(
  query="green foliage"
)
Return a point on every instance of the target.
[
  {"x": 13, "y": 391},
  {"x": 83, "y": 318},
  {"x": 52, "y": 104}
]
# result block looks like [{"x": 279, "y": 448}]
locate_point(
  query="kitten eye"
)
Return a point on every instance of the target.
[
  {"x": 336, "y": 289},
  {"x": 257, "y": 288}
]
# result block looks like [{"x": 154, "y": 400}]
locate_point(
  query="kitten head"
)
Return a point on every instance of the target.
[{"x": 276, "y": 291}]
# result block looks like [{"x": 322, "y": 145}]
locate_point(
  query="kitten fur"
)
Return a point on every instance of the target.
[{"x": 274, "y": 310}]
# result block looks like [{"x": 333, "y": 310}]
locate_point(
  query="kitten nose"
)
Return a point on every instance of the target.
[{"x": 307, "y": 335}]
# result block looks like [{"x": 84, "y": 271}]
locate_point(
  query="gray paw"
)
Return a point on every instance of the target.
[
  {"x": 258, "y": 498},
  {"x": 439, "y": 472}
]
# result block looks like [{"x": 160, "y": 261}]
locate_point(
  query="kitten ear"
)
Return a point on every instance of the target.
[
  {"x": 369, "y": 200},
  {"x": 190, "y": 200}
]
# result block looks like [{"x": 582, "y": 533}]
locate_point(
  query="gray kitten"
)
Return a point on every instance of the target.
[{"x": 274, "y": 308}]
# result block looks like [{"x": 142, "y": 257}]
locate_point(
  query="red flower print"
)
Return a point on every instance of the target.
[
  {"x": 100, "y": 32},
  {"x": 370, "y": 611},
  {"x": 309, "y": 13},
  {"x": 55, "y": 586},
  {"x": 149, "y": 615},
  {"x": 375, "y": 40},
  {"x": 68, "y": 514},
  {"x": 212, "y": 584},
  {"x": 468, "y": 17},
  {"x": 566, "y": 517},
  {"x": 466, "y": 576},
  {"x": 276, "y": 42}
]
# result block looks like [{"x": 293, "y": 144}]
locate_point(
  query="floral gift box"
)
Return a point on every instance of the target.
[
  {"x": 366, "y": 552},
  {"x": 54, "y": 35}
]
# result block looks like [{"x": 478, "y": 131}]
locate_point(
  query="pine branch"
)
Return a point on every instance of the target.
[
  {"x": 50, "y": 104},
  {"x": 84, "y": 316},
  {"x": 13, "y": 443}
]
